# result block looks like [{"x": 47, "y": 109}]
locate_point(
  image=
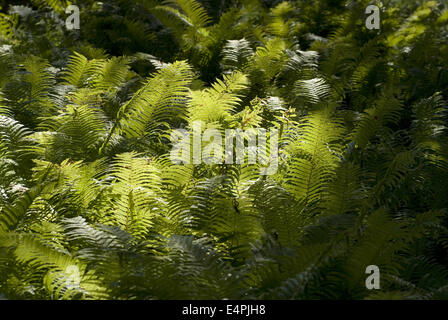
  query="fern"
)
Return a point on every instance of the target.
[
  {"x": 7, "y": 25},
  {"x": 92, "y": 206},
  {"x": 315, "y": 156},
  {"x": 58, "y": 5},
  {"x": 217, "y": 103},
  {"x": 153, "y": 102},
  {"x": 65, "y": 276},
  {"x": 236, "y": 53}
]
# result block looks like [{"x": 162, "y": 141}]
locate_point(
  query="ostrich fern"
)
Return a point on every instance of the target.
[{"x": 92, "y": 207}]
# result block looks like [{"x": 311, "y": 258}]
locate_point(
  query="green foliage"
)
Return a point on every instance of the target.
[{"x": 91, "y": 206}]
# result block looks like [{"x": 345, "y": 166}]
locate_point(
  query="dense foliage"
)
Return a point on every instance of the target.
[{"x": 93, "y": 208}]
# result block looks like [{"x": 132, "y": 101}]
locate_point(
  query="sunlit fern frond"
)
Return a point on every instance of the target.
[
  {"x": 7, "y": 25},
  {"x": 269, "y": 59},
  {"x": 138, "y": 190},
  {"x": 216, "y": 104},
  {"x": 192, "y": 13},
  {"x": 314, "y": 156},
  {"x": 375, "y": 247},
  {"x": 161, "y": 100},
  {"x": 12, "y": 215},
  {"x": 58, "y": 5},
  {"x": 111, "y": 74},
  {"x": 236, "y": 53},
  {"x": 78, "y": 70},
  {"x": 65, "y": 277},
  {"x": 375, "y": 119}
]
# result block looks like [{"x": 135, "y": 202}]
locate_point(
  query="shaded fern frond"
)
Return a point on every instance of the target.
[{"x": 236, "y": 53}]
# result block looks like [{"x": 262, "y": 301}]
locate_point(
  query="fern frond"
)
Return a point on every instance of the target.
[
  {"x": 80, "y": 130},
  {"x": 11, "y": 215},
  {"x": 7, "y": 25},
  {"x": 386, "y": 111},
  {"x": 313, "y": 90},
  {"x": 111, "y": 74},
  {"x": 236, "y": 53},
  {"x": 65, "y": 276},
  {"x": 428, "y": 122},
  {"x": 216, "y": 103},
  {"x": 13, "y": 136},
  {"x": 138, "y": 188},
  {"x": 160, "y": 99},
  {"x": 58, "y": 5},
  {"x": 315, "y": 156},
  {"x": 78, "y": 68},
  {"x": 193, "y": 12},
  {"x": 344, "y": 192},
  {"x": 375, "y": 247}
]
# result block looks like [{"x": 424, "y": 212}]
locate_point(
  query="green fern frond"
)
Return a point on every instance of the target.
[
  {"x": 138, "y": 188},
  {"x": 12, "y": 215},
  {"x": 375, "y": 247},
  {"x": 236, "y": 53},
  {"x": 269, "y": 60},
  {"x": 428, "y": 122},
  {"x": 217, "y": 103},
  {"x": 7, "y": 25},
  {"x": 314, "y": 156},
  {"x": 78, "y": 69},
  {"x": 65, "y": 276},
  {"x": 278, "y": 25},
  {"x": 13, "y": 136},
  {"x": 313, "y": 90},
  {"x": 193, "y": 12},
  {"x": 344, "y": 192},
  {"x": 79, "y": 131},
  {"x": 159, "y": 100},
  {"x": 385, "y": 111},
  {"x": 58, "y": 5},
  {"x": 111, "y": 74}
]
